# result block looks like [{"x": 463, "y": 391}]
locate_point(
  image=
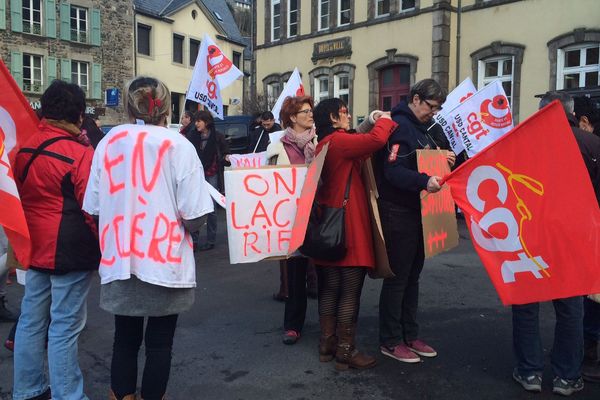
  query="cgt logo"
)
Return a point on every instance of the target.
[
  {"x": 496, "y": 112},
  {"x": 499, "y": 229},
  {"x": 216, "y": 62}
]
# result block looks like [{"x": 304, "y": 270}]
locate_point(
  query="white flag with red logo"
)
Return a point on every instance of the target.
[
  {"x": 482, "y": 118},
  {"x": 461, "y": 93},
  {"x": 17, "y": 123},
  {"x": 292, "y": 88},
  {"x": 213, "y": 71}
]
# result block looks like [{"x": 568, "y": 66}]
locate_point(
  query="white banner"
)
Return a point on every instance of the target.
[
  {"x": 482, "y": 118},
  {"x": 462, "y": 92},
  {"x": 212, "y": 72},
  {"x": 216, "y": 195},
  {"x": 250, "y": 160},
  {"x": 292, "y": 88},
  {"x": 261, "y": 207}
]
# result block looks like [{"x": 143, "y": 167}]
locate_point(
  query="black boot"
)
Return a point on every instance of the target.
[{"x": 5, "y": 314}]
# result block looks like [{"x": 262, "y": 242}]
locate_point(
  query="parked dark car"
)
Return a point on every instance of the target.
[{"x": 236, "y": 129}]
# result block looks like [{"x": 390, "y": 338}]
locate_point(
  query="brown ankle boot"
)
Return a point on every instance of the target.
[
  {"x": 328, "y": 340},
  {"x": 346, "y": 355},
  {"x": 111, "y": 396}
]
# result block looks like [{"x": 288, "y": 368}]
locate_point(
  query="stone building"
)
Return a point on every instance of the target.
[
  {"x": 88, "y": 42},
  {"x": 369, "y": 52}
]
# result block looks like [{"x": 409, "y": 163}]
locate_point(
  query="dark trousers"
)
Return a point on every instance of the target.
[
  {"x": 295, "y": 305},
  {"x": 591, "y": 319},
  {"x": 158, "y": 340},
  {"x": 399, "y": 298},
  {"x": 567, "y": 351}
]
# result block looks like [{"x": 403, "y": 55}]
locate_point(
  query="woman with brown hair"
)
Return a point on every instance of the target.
[
  {"x": 341, "y": 281},
  {"x": 297, "y": 146}
]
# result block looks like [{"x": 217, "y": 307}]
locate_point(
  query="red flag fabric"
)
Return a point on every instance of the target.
[
  {"x": 17, "y": 123},
  {"x": 532, "y": 212}
]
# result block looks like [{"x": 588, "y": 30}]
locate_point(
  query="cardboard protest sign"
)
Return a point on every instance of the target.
[
  {"x": 213, "y": 71},
  {"x": 533, "y": 216},
  {"x": 482, "y": 118},
  {"x": 292, "y": 88},
  {"x": 250, "y": 160},
  {"x": 261, "y": 207},
  {"x": 440, "y": 231},
  {"x": 462, "y": 92}
]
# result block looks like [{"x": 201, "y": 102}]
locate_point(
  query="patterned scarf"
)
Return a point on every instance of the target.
[{"x": 304, "y": 141}]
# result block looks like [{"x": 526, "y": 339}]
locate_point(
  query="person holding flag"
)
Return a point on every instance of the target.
[{"x": 399, "y": 184}]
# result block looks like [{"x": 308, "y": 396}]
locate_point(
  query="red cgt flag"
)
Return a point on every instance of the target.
[
  {"x": 532, "y": 212},
  {"x": 17, "y": 123}
]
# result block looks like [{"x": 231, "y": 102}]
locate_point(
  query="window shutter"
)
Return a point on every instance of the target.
[
  {"x": 96, "y": 91},
  {"x": 95, "y": 26},
  {"x": 65, "y": 21},
  {"x": 65, "y": 69},
  {"x": 16, "y": 18},
  {"x": 51, "y": 70},
  {"x": 2, "y": 14},
  {"x": 16, "y": 67},
  {"x": 50, "y": 11}
]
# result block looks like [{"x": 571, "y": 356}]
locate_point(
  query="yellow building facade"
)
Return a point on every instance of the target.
[
  {"x": 369, "y": 52},
  {"x": 168, "y": 42}
]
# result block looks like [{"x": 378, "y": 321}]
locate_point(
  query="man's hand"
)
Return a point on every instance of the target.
[
  {"x": 433, "y": 185},
  {"x": 451, "y": 157}
]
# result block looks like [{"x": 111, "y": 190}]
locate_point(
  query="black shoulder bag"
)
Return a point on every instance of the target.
[{"x": 326, "y": 231}]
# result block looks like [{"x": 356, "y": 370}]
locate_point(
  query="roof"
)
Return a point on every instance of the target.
[{"x": 218, "y": 10}]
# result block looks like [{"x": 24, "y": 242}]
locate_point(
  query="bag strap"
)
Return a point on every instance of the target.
[
  {"x": 39, "y": 151},
  {"x": 347, "y": 192}
]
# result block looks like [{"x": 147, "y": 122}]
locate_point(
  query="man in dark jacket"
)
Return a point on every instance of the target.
[
  {"x": 259, "y": 139},
  {"x": 51, "y": 172},
  {"x": 399, "y": 184}
]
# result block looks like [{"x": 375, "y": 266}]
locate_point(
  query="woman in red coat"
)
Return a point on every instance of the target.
[{"x": 340, "y": 282}]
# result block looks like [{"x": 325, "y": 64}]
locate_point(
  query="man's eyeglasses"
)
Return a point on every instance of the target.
[
  {"x": 433, "y": 107},
  {"x": 308, "y": 110}
]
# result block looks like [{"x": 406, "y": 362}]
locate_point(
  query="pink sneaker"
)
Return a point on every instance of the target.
[
  {"x": 422, "y": 348},
  {"x": 400, "y": 352}
]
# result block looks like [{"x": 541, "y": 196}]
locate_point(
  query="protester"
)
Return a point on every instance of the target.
[
  {"x": 213, "y": 150},
  {"x": 340, "y": 282},
  {"x": 91, "y": 131},
  {"x": 567, "y": 352},
  {"x": 588, "y": 116},
  {"x": 155, "y": 278},
  {"x": 64, "y": 251},
  {"x": 259, "y": 139},
  {"x": 186, "y": 122},
  {"x": 297, "y": 146},
  {"x": 399, "y": 184},
  {"x": 6, "y": 315}
]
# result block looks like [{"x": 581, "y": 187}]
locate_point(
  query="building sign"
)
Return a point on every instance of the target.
[
  {"x": 332, "y": 48},
  {"x": 89, "y": 110},
  {"x": 111, "y": 97}
]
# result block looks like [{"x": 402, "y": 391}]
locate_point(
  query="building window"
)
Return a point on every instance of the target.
[
  {"x": 382, "y": 8},
  {"x": 194, "y": 49},
  {"x": 79, "y": 24},
  {"x": 143, "y": 39},
  {"x": 275, "y": 20},
  {"x": 500, "y": 68},
  {"x": 321, "y": 88},
  {"x": 32, "y": 16},
  {"x": 237, "y": 58},
  {"x": 324, "y": 14},
  {"x": 407, "y": 5},
  {"x": 273, "y": 92},
  {"x": 578, "y": 66},
  {"x": 178, "y": 49},
  {"x": 343, "y": 12},
  {"x": 32, "y": 73},
  {"x": 341, "y": 87},
  {"x": 80, "y": 74},
  {"x": 293, "y": 18}
]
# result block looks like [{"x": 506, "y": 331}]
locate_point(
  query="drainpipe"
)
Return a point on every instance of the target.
[
  {"x": 134, "y": 41},
  {"x": 458, "y": 21}
]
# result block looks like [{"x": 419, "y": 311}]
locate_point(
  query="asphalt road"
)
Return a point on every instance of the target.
[{"x": 229, "y": 345}]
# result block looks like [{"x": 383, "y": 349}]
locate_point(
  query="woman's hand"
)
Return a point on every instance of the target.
[
  {"x": 227, "y": 157},
  {"x": 433, "y": 184},
  {"x": 451, "y": 157},
  {"x": 385, "y": 115}
]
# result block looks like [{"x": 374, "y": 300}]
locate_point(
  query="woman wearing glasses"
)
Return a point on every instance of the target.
[
  {"x": 297, "y": 146},
  {"x": 340, "y": 282}
]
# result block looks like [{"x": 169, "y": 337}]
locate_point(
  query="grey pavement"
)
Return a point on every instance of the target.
[{"x": 229, "y": 345}]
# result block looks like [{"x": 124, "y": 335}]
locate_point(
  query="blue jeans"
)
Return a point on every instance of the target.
[
  {"x": 56, "y": 304},
  {"x": 591, "y": 319},
  {"x": 567, "y": 351}
]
